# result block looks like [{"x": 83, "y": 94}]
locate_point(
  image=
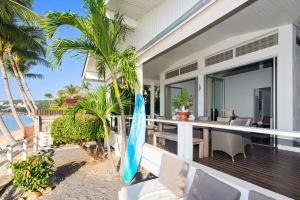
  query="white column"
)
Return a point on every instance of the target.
[
  {"x": 152, "y": 99},
  {"x": 162, "y": 94},
  {"x": 286, "y": 41},
  {"x": 185, "y": 141},
  {"x": 118, "y": 138},
  {"x": 140, "y": 76},
  {"x": 201, "y": 95}
]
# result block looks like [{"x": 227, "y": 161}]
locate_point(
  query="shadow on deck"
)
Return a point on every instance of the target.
[{"x": 267, "y": 167}]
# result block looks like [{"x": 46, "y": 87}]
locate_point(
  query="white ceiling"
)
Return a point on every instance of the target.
[
  {"x": 133, "y": 8},
  {"x": 262, "y": 14}
]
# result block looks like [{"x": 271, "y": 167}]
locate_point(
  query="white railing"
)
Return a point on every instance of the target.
[
  {"x": 151, "y": 157},
  {"x": 12, "y": 152},
  {"x": 185, "y": 133}
]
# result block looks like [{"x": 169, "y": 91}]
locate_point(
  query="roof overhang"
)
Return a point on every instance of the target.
[{"x": 246, "y": 19}]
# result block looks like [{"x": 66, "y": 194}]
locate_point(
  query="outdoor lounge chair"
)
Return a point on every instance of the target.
[
  {"x": 230, "y": 143},
  {"x": 253, "y": 195},
  {"x": 172, "y": 183},
  {"x": 169, "y": 185},
  {"x": 206, "y": 187}
]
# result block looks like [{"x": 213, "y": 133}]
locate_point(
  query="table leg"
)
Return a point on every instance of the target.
[
  {"x": 205, "y": 142},
  {"x": 160, "y": 127},
  {"x": 154, "y": 140}
]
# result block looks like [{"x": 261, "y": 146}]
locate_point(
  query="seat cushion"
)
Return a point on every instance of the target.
[
  {"x": 206, "y": 187},
  {"x": 238, "y": 122},
  {"x": 147, "y": 190},
  {"x": 253, "y": 195},
  {"x": 223, "y": 119},
  {"x": 173, "y": 174}
]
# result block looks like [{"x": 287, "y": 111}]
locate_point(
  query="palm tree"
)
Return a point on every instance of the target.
[
  {"x": 7, "y": 87},
  {"x": 30, "y": 56},
  {"x": 10, "y": 10},
  {"x": 48, "y": 96},
  {"x": 20, "y": 8},
  {"x": 97, "y": 103},
  {"x": 11, "y": 67},
  {"x": 71, "y": 90},
  {"x": 100, "y": 38}
]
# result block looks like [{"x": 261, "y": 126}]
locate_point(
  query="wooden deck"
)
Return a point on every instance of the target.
[{"x": 276, "y": 170}]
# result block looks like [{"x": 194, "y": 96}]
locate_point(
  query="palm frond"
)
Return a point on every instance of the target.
[
  {"x": 61, "y": 46},
  {"x": 20, "y": 8},
  {"x": 34, "y": 76},
  {"x": 53, "y": 20}
]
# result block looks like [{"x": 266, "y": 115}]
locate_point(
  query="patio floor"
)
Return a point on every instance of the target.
[{"x": 276, "y": 170}]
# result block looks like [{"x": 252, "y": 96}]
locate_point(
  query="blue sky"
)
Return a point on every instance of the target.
[{"x": 71, "y": 68}]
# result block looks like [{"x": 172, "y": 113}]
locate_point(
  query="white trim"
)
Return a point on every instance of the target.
[
  {"x": 292, "y": 134},
  {"x": 288, "y": 148},
  {"x": 201, "y": 19},
  {"x": 178, "y": 27}
]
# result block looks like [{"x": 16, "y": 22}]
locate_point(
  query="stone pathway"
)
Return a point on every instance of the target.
[{"x": 78, "y": 176}]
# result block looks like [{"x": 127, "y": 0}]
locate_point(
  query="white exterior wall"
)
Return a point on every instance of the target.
[
  {"x": 296, "y": 91},
  {"x": 157, "y": 20},
  {"x": 283, "y": 51},
  {"x": 239, "y": 90}
]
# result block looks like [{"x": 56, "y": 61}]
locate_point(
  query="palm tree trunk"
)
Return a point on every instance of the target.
[
  {"x": 108, "y": 145},
  {"x": 5, "y": 131},
  {"x": 25, "y": 99},
  {"x": 123, "y": 126},
  {"x": 8, "y": 94},
  {"x": 26, "y": 88}
]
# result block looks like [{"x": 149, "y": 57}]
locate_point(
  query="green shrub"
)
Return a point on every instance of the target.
[
  {"x": 83, "y": 128},
  {"x": 32, "y": 174}
]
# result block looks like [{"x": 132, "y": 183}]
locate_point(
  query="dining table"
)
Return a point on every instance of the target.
[{"x": 206, "y": 135}]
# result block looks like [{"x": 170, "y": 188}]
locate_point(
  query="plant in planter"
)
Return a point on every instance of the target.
[
  {"x": 32, "y": 174},
  {"x": 182, "y": 101}
]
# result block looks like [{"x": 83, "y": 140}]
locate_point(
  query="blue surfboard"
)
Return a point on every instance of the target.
[{"x": 136, "y": 140}]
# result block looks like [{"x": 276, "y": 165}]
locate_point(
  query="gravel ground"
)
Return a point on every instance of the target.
[{"x": 78, "y": 176}]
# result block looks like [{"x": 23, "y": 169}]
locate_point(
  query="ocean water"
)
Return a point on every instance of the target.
[{"x": 12, "y": 124}]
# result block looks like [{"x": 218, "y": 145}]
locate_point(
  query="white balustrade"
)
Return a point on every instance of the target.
[
  {"x": 9, "y": 157},
  {"x": 185, "y": 141},
  {"x": 24, "y": 150}
]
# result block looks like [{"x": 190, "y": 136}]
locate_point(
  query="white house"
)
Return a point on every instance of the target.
[
  {"x": 229, "y": 47},
  {"x": 241, "y": 55}
]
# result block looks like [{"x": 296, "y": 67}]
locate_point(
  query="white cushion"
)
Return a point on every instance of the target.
[{"x": 147, "y": 190}]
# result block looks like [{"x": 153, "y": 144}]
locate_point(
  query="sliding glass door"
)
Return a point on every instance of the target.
[
  {"x": 172, "y": 90},
  {"x": 215, "y": 97}
]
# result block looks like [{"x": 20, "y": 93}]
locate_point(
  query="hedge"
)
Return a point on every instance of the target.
[{"x": 83, "y": 128}]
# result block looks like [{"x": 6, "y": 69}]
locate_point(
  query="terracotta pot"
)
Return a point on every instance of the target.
[
  {"x": 47, "y": 190},
  {"x": 183, "y": 115},
  {"x": 33, "y": 195}
]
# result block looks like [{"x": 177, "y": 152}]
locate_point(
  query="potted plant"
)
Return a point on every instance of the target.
[
  {"x": 182, "y": 101},
  {"x": 32, "y": 175}
]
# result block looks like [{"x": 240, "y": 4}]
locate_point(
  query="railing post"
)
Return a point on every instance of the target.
[
  {"x": 185, "y": 141},
  {"x": 118, "y": 138},
  {"x": 9, "y": 157},
  {"x": 24, "y": 149},
  {"x": 148, "y": 122},
  {"x": 35, "y": 143},
  {"x": 113, "y": 122}
]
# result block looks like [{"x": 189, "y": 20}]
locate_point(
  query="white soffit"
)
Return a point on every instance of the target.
[
  {"x": 134, "y": 9},
  {"x": 262, "y": 14}
]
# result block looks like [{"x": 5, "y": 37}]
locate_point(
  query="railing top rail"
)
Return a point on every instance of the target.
[
  {"x": 20, "y": 142},
  {"x": 294, "y": 134}
]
